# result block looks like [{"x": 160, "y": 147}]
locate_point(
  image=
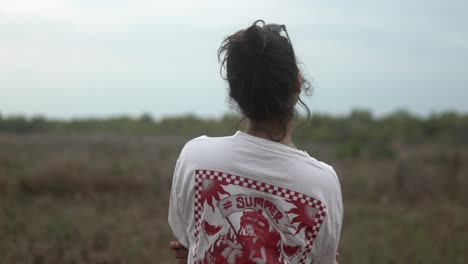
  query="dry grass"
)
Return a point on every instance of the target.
[
  {"x": 104, "y": 200},
  {"x": 96, "y": 201}
]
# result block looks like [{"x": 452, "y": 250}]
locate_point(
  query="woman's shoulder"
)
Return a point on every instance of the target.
[
  {"x": 325, "y": 167},
  {"x": 203, "y": 141},
  {"x": 204, "y": 145}
]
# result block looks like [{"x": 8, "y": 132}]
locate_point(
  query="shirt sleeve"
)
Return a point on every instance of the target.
[
  {"x": 176, "y": 219},
  {"x": 328, "y": 255}
]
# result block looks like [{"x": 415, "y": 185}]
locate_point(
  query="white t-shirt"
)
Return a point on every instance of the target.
[{"x": 244, "y": 199}]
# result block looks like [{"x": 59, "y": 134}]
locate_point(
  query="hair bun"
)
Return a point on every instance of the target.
[{"x": 255, "y": 41}]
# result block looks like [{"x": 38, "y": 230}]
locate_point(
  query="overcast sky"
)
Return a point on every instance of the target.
[{"x": 62, "y": 58}]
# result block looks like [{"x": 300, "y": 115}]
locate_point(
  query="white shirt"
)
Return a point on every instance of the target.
[{"x": 244, "y": 199}]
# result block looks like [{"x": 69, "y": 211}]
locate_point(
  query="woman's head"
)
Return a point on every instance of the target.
[{"x": 262, "y": 72}]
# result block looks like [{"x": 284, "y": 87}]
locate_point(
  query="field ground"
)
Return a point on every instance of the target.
[{"x": 100, "y": 199}]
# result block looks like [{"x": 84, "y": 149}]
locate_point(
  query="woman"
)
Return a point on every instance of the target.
[{"x": 254, "y": 197}]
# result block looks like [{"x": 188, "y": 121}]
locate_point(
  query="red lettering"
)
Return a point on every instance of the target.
[
  {"x": 240, "y": 203},
  {"x": 268, "y": 205},
  {"x": 258, "y": 201},
  {"x": 277, "y": 217},
  {"x": 274, "y": 209},
  {"x": 248, "y": 201}
]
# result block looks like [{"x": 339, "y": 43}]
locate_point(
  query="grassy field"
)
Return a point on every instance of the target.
[{"x": 103, "y": 199}]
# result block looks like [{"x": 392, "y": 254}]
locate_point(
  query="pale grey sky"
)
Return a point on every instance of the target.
[{"x": 63, "y": 58}]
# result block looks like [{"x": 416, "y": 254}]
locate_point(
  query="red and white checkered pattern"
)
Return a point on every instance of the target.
[{"x": 226, "y": 178}]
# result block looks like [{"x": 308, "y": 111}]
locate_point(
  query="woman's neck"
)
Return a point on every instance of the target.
[{"x": 272, "y": 130}]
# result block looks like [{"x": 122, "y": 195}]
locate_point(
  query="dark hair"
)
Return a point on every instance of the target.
[{"x": 262, "y": 73}]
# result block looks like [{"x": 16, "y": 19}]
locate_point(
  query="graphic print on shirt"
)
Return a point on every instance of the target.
[{"x": 240, "y": 220}]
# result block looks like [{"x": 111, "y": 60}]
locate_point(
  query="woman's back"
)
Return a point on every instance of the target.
[{"x": 244, "y": 199}]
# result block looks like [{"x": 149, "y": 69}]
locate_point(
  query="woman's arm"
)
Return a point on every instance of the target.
[{"x": 180, "y": 252}]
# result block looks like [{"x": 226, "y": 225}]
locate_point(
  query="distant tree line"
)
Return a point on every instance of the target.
[{"x": 352, "y": 132}]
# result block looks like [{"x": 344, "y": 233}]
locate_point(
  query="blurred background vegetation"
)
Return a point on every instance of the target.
[{"x": 96, "y": 190}]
